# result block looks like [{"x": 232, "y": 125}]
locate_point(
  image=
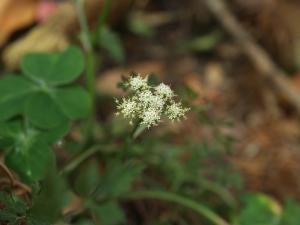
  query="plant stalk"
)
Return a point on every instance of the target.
[
  {"x": 183, "y": 201},
  {"x": 73, "y": 164},
  {"x": 102, "y": 18},
  {"x": 88, "y": 47}
]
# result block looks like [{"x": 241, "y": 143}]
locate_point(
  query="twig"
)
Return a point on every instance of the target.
[
  {"x": 8, "y": 173},
  {"x": 13, "y": 182},
  {"x": 259, "y": 57}
]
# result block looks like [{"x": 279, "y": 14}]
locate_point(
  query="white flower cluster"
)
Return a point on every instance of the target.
[{"x": 149, "y": 104}]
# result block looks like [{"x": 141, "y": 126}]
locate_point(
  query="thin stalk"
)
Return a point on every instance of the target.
[
  {"x": 73, "y": 164},
  {"x": 90, "y": 71},
  {"x": 88, "y": 47},
  {"x": 102, "y": 18},
  {"x": 183, "y": 201},
  {"x": 137, "y": 130},
  {"x": 221, "y": 192}
]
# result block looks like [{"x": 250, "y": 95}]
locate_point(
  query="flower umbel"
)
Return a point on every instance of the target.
[
  {"x": 164, "y": 91},
  {"x": 137, "y": 83},
  {"x": 149, "y": 104},
  {"x": 127, "y": 107},
  {"x": 175, "y": 111},
  {"x": 151, "y": 117}
]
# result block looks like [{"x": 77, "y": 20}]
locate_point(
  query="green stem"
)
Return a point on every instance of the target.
[
  {"x": 88, "y": 47},
  {"x": 186, "y": 202},
  {"x": 79, "y": 159},
  {"x": 138, "y": 130},
  {"x": 102, "y": 18},
  {"x": 90, "y": 75},
  {"x": 221, "y": 192},
  {"x": 85, "y": 31}
]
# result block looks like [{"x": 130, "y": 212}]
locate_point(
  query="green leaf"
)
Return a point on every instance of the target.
[
  {"x": 139, "y": 26},
  {"x": 8, "y": 133},
  {"x": 203, "y": 43},
  {"x": 119, "y": 178},
  {"x": 57, "y": 133},
  {"x": 109, "y": 213},
  {"x": 75, "y": 102},
  {"x": 88, "y": 178},
  {"x": 84, "y": 222},
  {"x": 34, "y": 221},
  {"x": 54, "y": 68},
  {"x": 259, "y": 210},
  {"x": 48, "y": 204},
  {"x": 110, "y": 41},
  {"x": 291, "y": 213},
  {"x": 43, "y": 112},
  {"x": 30, "y": 159},
  {"x": 13, "y": 91}
]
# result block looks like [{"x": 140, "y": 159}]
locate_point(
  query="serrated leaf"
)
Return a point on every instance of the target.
[
  {"x": 291, "y": 213},
  {"x": 43, "y": 112},
  {"x": 30, "y": 159},
  {"x": 110, "y": 41},
  {"x": 48, "y": 204},
  {"x": 75, "y": 102},
  {"x": 13, "y": 91},
  {"x": 118, "y": 178},
  {"x": 259, "y": 209},
  {"x": 54, "y": 68},
  {"x": 87, "y": 179},
  {"x": 109, "y": 213}
]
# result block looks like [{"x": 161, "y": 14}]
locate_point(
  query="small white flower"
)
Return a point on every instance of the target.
[
  {"x": 138, "y": 83},
  {"x": 148, "y": 99},
  {"x": 128, "y": 107},
  {"x": 149, "y": 104},
  {"x": 164, "y": 90},
  {"x": 175, "y": 111},
  {"x": 144, "y": 96},
  {"x": 150, "y": 117}
]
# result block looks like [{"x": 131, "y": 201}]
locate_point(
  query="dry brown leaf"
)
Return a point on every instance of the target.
[
  {"x": 15, "y": 14},
  {"x": 53, "y": 34}
]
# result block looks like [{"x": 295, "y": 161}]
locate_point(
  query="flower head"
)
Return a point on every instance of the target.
[
  {"x": 137, "y": 83},
  {"x": 150, "y": 117},
  {"x": 127, "y": 107},
  {"x": 148, "y": 99},
  {"x": 164, "y": 91},
  {"x": 149, "y": 104},
  {"x": 176, "y": 111}
]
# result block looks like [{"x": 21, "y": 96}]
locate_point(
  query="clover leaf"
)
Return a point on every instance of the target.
[
  {"x": 54, "y": 105},
  {"x": 74, "y": 102},
  {"x": 28, "y": 149},
  {"x": 43, "y": 112},
  {"x": 54, "y": 68},
  {"x": 31, "y": 161},
  {"x": 36, "y": 109},
  {"x": 41, "y": 95},
  {"x": 13, "y": 91}
]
